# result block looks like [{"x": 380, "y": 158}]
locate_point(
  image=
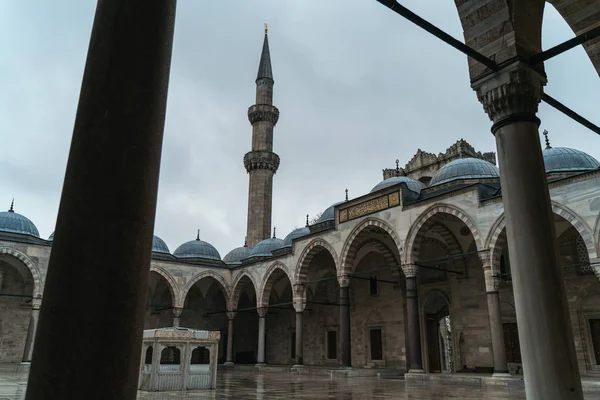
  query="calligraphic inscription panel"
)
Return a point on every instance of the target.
[{"x": 369, "y": 207}]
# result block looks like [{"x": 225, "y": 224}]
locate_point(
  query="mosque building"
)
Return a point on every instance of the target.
[{"x": 414, "y": 275}]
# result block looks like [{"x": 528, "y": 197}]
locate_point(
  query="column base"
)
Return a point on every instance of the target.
[
  {"x": 295, "y": 366},
  {"x": 260, "y": 365},
  {"x": 416, "y": 371},
  {"x": 229, "y": 364},
  {"x": 501, "y": 375}
]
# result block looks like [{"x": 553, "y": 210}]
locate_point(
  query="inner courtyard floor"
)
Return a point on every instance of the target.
[{"x": 271, "y": 386}]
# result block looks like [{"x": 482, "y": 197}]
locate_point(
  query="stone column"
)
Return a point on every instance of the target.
[
  {"x": 262, "y": 331},
  {"x": 33, "y": 323},
  {"x": 510, "y": 97},
  {"x": 345, "y": 343},
  {"x": 229, "y": 357},
  {"x": 413, "y": 322},
  {"x": 177, "y": 316},
  {"x": 108, "y": 201},
  {"x": 495, "y": 316},
  {"x": 299, "y": 305},
  {"x": 1, "y": 278}
]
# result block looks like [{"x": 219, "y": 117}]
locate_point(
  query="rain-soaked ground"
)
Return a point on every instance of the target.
[{"x": 240, "y": 385}]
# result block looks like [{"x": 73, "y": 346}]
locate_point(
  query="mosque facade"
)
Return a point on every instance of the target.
[{"x": 413, "y": 276}]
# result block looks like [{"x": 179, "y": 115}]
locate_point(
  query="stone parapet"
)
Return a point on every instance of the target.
[
  {"x": 263, "y": 112},
  {"x": 260, "y": 159}
]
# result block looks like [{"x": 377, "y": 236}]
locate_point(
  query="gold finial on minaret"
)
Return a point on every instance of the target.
[{"x": 266, "y": 28}]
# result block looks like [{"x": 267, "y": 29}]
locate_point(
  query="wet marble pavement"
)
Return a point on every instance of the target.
[{"x": 271, "y": 386}]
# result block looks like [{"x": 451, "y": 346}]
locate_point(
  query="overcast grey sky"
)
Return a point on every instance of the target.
[{"x": 357, "y": 87}]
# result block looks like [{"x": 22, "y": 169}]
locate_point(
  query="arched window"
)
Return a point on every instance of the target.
[
  {"x": 171, "y": 356},
  {"x": 200, "y": 355},
  {"x": 148, "y": 359}
]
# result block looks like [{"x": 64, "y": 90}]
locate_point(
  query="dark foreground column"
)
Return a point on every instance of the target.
[
  {"x": 229, "y": 358},
  {"x": 33, "y": 323},
  {"x": 414, "y": 325},
  {"x": 345, "y": 343},
  {"x": 299, "y": 340},
  {"x": 88, "y": 342},
  {"x": 262, "y": 332},
  {"x": 510, "y": 97}
]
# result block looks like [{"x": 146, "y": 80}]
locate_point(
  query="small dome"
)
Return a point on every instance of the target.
[
  {"x": 295, "y": 234},
  {"x": 51, "y": 237},
  {"x": 159, "y": 246},
  {"x": 237, "y": 255},
  {"x": 564, "y": 159},
  {"x": 412, "y": 184},
  {"x": 12, "y": 222},
  {"x": 465, "y": 168},
  {"x": 264, "y": 248},
  {"x": 197, "y": 249},
  {"x": 329, "y": 213}
]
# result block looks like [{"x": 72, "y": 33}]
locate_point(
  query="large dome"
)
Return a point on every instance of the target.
[
  {"x": 264, "y": 248},
  {"x": 465, "y": 168},
  {"x": 159, "y": 246},
  {"x": 12, "y": 222},
  {"x": 237, "y": 255},
  {"x": 564, "y": 159},
  {"x": 197, "y": 249},
  {"x": 295, "y": 234},
  {"x": 412, "y": 184}
]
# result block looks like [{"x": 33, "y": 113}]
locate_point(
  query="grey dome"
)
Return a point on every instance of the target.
[
  {"x": 329, "y": 213},
  {"x": 237, "y": 255},
  {"x": 465, "y": 168},
  {"x": 412, "y": 184},
  {"x": 12, "y": 222},
  {"x": 264, "y": 248},
  {"x": 295, "y": 234},
  {"x": 159, "y": 246},
  {"x": 51, "y": 237},
  {"x": 564, "y": 159},
  {"x": 197, "y": 249}
]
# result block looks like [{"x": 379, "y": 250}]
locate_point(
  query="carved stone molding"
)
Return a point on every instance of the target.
[
  {"x": 515, "y": 89},
  {"x": 262, "y": 311},
  {"x": 263, "y": 112},
  {"x": 259, "y": 159}
]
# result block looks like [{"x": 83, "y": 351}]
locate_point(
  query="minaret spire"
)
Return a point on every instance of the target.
[{"x": 261, "y": 162}]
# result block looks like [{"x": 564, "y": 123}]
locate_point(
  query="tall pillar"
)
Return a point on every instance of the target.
[
  {"x": 177, "y": 316},
  {"x": 299, "y": 345},
  {"x": 262, "y": 331},
  {"x": 510, "y": 97},
  {"x": 413, "y": 321},
  {"x": 495, "y": 316},
  {"x": 345, "y": 343},
  {"x": 229, "y": 357},
  {"x": 33, "y": 323},
  {"x": 108, "y": 201}
]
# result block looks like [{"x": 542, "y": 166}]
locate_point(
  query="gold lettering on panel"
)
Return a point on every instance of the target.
[
  {"x": 394, "y": 199},
  {"x": 343, "y": 215},
  {"x": 368, "y": 207}
]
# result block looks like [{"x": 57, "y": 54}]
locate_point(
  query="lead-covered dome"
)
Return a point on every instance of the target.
[
  {"x": 197, "y": 249},
  {"x": 12, "y": 222},
  {"x": 412, "y": 184},
  {"x": 159, "y": 246},
  {"x": 237, "y": 255},
  {"x": 329, "y": 213},
  {"x": 564, "y": 159},
  {"x": 265, "y": 248},
  {"x": 465, "y": 168},
  {"x": 295, "y": 234}
]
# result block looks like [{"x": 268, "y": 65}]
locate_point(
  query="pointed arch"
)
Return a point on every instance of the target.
[
  {"x": 236, "y": 290},
  {"x": 416, "y": 233},
  {"x": 351, "y": 246},
  {"x": 267, "y": 283},
  {"x": 207, "y": 274},
  {"x": 432, "y": 294},
  {"x": 38, "y": 287},
  {"x": 171, "y": 284},
  {"x": 311, "y": 250}
]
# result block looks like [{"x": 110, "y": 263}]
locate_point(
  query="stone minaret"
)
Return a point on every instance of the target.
[{"x": 261, "y": 163}]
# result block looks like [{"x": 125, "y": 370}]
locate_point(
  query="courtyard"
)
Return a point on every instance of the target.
[{"x": 270, "y": 386}]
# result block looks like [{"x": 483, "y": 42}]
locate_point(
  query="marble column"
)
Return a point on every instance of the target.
[
  {"x": 229, "y": 357},
  {"x": 177, "y": 316},
  {"x": 345, "y": 343},
  {"x": 495, "y": 316},
  {"x": 108, "y": 201},
  {"x": 510, "y": 97},
  {"x": 413, "y": 322},
  {"x": 262, "y": 332},
  {"x": 33, "y": 323},
  {"x": 299, "y": 305}
]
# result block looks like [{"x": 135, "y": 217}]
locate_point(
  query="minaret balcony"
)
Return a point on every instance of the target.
[
  {"x": 260, "y": 159},
  {"x": 263, "y": 112}
]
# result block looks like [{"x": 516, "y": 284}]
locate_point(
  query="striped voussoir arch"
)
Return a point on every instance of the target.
[
  {"x": 425, "y": 222},
  {"x": 176, "y": 299},
  {"x": 33, "y": 269},
  {"x": 238, "y": 286},
  {"x": 208, "y": 274},
  {"x": 309, "y": 252},
  {"x": 268, "y": 282},
  {"x": 357, "y": 238}
]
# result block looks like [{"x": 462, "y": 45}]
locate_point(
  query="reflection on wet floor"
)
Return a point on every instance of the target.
[{"x": 248, "y": 385}]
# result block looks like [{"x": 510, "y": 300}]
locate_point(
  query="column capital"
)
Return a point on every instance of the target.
[
  {"x": 299, "y": 306},
  {"x": 177, "y": 312},
  {"x": 511, "y": 94},
  {"x": 262, "y": 311},
  {"x": 36, "y": 304},
  {"x": 492, "y": 283},
  {"x": 486, "y": 257},
  {"x": 410, "y": 271},
  {"x": 231, "y": 315},
  {"x": 343, "y": 280}
]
